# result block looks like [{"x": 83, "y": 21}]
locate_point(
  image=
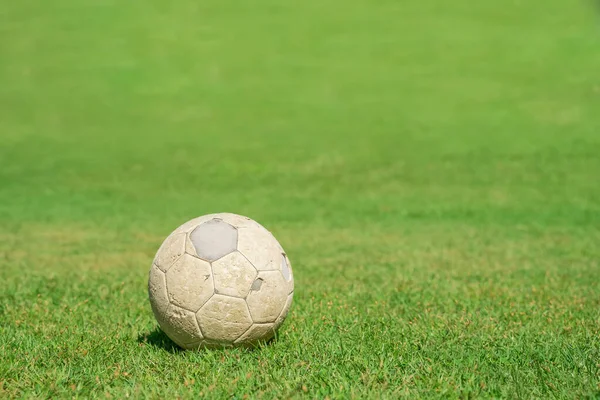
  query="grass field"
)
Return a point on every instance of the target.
[{"x": 431, "y": 167}]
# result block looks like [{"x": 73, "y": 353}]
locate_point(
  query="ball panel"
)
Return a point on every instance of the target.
[
  {"x": 189, "y": 283},
  {"x": 233, "y": 275},
  {"x": 260, "y": 248},
  {"x": 157, "y": 291},
  {"x": 256, "y": 333},
  {"x": 286, "y": 270},
  {"x": 180, "y": 325},
  {"x": 171, "y": 249},
  {"x": 224, "y": 318},
  {"x": 287, "y": 273},
  {"x": 267, "y": 296},
  {"x": 214, "y": 239}
]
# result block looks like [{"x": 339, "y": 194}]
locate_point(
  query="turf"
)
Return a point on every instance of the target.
[{"x": 431, "y": 167}]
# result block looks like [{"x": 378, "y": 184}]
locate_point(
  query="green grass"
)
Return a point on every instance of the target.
[{"x": 431, "y": 167}]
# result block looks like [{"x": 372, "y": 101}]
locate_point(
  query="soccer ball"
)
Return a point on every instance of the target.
[{"x": 220, "y": 280}]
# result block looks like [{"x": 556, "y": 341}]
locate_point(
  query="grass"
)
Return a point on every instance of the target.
[{"x": 431, "y": 168}]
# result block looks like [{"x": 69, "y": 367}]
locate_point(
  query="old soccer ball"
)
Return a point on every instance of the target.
[{"x": 220, "y": 280}]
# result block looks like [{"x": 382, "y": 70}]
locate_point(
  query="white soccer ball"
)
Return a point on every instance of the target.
[{"x": 220, "y": 280}]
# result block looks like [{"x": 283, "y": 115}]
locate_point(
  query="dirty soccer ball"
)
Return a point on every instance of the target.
[{"x": 220, "y": 280}]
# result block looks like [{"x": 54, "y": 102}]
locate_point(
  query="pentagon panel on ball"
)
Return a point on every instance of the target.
[
  {"x": 214, "y": 239},
  {"x": 220, "y": 280}
]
